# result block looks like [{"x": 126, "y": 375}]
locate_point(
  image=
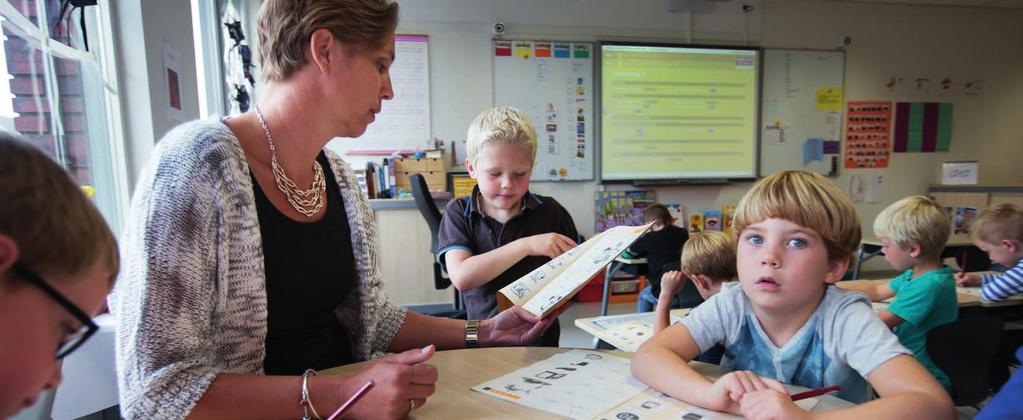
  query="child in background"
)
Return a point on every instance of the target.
[
  {"x": 782, "y": 322},
  {"x": 913, "y": 232},
  {"x": 58, "y": 260},
  {"x": 708, "y": 259},
  {"x": 661, "y": 246},
  {"x": 999, "y": 232},
  {"x": 501, "y": 231}
]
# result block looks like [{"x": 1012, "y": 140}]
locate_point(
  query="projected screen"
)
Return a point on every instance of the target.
[{"x": 670, "y": 112}]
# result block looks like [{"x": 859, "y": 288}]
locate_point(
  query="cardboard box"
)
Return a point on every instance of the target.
[
  {"x": 435, "y": 180},
  {"x": 413, "y": 165}
]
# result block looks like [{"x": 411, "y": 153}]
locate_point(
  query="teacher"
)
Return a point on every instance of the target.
[{"x": 250, "y": 256}]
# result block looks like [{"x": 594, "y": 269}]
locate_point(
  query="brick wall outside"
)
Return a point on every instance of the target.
[{"x": 29, "y": 87}]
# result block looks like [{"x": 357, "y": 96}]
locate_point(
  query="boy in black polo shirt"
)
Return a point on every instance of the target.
[
  {"x": 501, "y": 231},
  {"x": 661, "y": 246}
]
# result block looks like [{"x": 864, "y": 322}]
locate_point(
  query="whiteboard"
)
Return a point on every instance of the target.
[
  {"x": 552, "y": 82},
  {"x": 403, "y": 122},
  {"x": 796, "y": 107}
]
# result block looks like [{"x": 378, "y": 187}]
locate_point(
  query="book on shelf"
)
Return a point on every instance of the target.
[{"x": 548, "y": 287}]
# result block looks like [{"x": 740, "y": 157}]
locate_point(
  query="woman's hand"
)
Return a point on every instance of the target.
[
  {"x": 514, "y": 327},
  {"x": 401, "y": 382}
]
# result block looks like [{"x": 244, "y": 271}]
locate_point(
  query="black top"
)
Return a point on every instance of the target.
[
  {"x": 660, "y": 248},
  {"x": 310, "y": 268},
  {"x": 464, "y": 226}
]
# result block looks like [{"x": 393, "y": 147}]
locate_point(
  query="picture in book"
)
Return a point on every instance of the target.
[{"x": 545, "y": 289}]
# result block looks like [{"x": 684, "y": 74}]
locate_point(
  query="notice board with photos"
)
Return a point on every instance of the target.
[
  {"x": 552, "y": 83},
  {"x": 801, "y": 112}
]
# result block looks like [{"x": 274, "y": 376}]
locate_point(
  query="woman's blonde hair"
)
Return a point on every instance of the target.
[
  {"x": 915, "y": 220},
  {"x": 59, "y": 233},
  {"x": 997, "y": 223},
  {"x": 503, "y": 125},
  {"x": 711, "y": 253},
  {"x": 808, "y": 200},
  {"x": 283, "y": 28}
]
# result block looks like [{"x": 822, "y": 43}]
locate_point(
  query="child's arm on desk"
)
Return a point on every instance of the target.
[
  {"x": 875, "y": 290},
  {"x": 671, "y": 283},
  {"x": 469, "y": 271},
  {"x": 907, "y": 390},
  {"x": 662, "y": 363}
]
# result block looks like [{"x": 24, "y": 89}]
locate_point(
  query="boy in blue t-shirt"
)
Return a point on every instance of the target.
[
  {"x": 914, "y": 231},
  {"x": 782, "y": 323}
]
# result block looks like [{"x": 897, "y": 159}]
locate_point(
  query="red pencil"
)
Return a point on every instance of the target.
[
  {"x": 355, "y": 397},
  {"x": 962, "y": 267},
  {"x": 814, "y": 392}
]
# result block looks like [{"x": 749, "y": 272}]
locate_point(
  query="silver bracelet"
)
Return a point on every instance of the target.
[{"x": 305, "y": 402}]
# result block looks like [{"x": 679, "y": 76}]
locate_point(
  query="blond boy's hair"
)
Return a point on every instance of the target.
[
  {"x": 808, "y": 200},
  {"x": 997, "y": 223},
  {"x": 59, "y": 233},
  {"x": 915, "y": 220},
  {"x": 283, "y": 29},
  {"x": 502, "y": 125},
  {"x": 711, "y": 253}
]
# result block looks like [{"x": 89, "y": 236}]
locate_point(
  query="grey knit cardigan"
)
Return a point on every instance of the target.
[{"x": 190, "y": 300}]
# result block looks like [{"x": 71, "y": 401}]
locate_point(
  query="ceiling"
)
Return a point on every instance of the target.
[{"x": 1005, "y": 4}]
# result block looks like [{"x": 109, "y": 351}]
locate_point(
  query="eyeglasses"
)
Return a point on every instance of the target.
[{"x": 74, "y": 340}]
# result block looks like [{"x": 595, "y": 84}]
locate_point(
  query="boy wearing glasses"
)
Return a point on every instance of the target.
[{"x": 58, "y": 260}]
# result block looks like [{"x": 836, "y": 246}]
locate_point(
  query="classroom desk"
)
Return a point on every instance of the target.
[
  {"x": 967, "y": 296},
  {"x": 870, "y": 247},
  {"x": 609, "y": 328},
  {"x": 462, "y": 369}
]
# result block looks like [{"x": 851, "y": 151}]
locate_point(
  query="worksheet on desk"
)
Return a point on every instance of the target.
[
  {"x": 653, "y": 405},
  {"x": 628, "y": 332},
  {"x": 576, "y": 384}
]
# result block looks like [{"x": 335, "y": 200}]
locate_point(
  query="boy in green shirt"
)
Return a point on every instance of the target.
[{"x": 913, "y": 232}]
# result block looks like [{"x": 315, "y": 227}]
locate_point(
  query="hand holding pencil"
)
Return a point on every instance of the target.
[{"x": 772, "y": 404}]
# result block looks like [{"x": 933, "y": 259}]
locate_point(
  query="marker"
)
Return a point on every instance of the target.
[
  {"x": 355, "y": 397},
  {"x": 814, "y": 392}
]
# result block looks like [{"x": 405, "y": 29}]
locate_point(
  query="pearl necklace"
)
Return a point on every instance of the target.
[{"x": 308, "y": 202}]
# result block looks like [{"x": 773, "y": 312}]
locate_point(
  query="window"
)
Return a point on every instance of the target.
[{"x": 55, "y": 93}]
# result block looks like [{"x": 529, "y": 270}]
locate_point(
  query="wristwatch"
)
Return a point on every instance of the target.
[{"x": 472, "y": 334}]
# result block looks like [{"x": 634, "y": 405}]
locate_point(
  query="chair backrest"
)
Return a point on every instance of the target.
[
  {"x": 421, "y": 192},
  {"x": 963, "y": 350}
]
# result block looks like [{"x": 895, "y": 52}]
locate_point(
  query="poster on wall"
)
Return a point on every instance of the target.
[
  {"x": 866, "y": 134},
  {"x": 552, "y": 83},
  {"x": 620, "y": 208},
  {"x": 922, "y": 127}
]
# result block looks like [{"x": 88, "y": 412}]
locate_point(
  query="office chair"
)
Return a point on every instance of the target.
[
  {"x": 427, "y": 207},
  {"x": 963, "y": 350}
]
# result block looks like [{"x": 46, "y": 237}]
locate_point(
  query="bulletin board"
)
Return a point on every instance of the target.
[
  {"x": 801, "y": 115},
  {"x": 552, "y": 82}
]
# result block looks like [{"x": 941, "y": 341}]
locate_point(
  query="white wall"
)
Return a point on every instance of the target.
[
  {"x": 887, "y": 40},
  {"x": 140, "y": 28}
]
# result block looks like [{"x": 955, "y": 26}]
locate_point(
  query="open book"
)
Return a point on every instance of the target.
[{"x": 545, "y": 289}]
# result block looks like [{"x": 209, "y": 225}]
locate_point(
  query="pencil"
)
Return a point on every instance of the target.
[
  {"x": 355, "y": 397},
  {"x": 814, "y": 392},
  {"x": 962, "y": 267}
]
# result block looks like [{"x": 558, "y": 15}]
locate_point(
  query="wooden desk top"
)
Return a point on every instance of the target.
[
  {"x": 953, "y": 240},
  {"x": 967, "y": 296},
  {"x": 462, "y": 369},
  {"x": 604, "y": 328}
]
